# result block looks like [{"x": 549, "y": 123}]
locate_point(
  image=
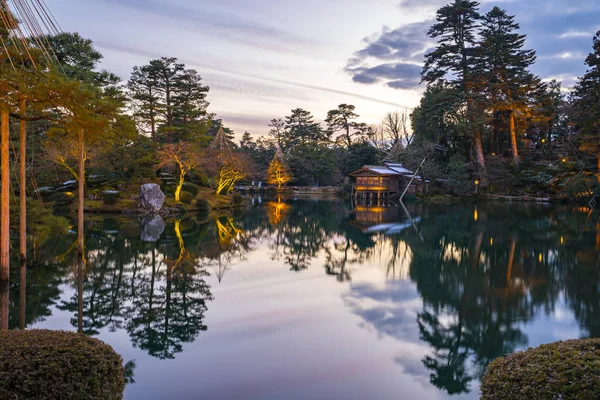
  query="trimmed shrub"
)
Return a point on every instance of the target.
[
  {"x": 203, "y": 205},
  {"x": 238, "y": 200},
  {"x": 561, "y": 370},
  {"x": 191, "y": 187},
  {"x": 186, "y": 197},
  {"x": 44, "y": 365},
  {"x": 110, "y": 197},
  {"x": 62, "y": 198}
]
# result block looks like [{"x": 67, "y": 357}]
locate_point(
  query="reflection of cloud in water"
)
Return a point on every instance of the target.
[{"x": 391, "y": 311}]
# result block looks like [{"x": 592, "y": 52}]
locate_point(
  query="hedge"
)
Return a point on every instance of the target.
[
  {"x": 191, "y": 187},
  {"x": 44, "y": 365},
  {"x": 561, "y": 370}
]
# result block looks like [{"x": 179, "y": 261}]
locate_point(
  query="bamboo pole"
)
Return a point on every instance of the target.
[{"x": 4, "y": 197}]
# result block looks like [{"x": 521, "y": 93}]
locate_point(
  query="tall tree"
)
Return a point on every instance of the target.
[
  {"x": 146, "y": 100},
  {"x": 341, "y": 119},
  {"x": 277, "y": 130},
  {"x": 587, "y": 104},
  {"x": 454, "y": 60},
  {"x": 504, "y": 64}
]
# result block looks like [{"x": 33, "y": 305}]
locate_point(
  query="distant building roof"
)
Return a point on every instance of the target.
[{"x": 387, "y": 169}]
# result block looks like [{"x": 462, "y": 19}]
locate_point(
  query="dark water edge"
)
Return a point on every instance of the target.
[{"x": 319, "y": 298}]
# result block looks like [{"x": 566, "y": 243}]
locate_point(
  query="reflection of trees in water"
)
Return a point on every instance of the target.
[
  {"x": 479, "y": 280},
  {"x": 481, "y": 275}
]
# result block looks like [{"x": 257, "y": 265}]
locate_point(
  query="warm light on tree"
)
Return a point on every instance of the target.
[
  {"x": 278, "y": 172},
  {"x": 184, "y": 157}
]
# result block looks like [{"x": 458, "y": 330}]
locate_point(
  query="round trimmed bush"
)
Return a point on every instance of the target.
[
  {"x": 110, "y": 197},
  {"x": 44, "y": 365},
  {"x": 203, "y": 205},
  {"x": 62, "y": 198},
  {"x": 561, "y": 370},
  {"x": 238, "y": 200},
  {"x": 191, "y": 187},
  {"x": 186, "y": 197}
]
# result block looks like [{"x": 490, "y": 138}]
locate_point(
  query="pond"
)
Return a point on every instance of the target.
[{"x": 317, "y": 299}]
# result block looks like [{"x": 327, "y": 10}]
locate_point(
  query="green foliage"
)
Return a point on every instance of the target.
[
  {"x": 186, "y": 197},
  {"x": 38, "y": 364},
  {"x": 42, "y": 224},
  {"x": 63, "y": 198},
  {"x": 458, "y": 175},
  {"x": 577, "y": 186},
  {"x": 110, "y": 197},
  {"x": 191, "y": 188},
  {"x": 562, "y": 370}
]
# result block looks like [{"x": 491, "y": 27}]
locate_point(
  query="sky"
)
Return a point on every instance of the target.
[{"x": 262, "y": 58}]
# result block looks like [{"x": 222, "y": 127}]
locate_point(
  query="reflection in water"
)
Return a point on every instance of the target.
[{"x": 480, "y": 275}]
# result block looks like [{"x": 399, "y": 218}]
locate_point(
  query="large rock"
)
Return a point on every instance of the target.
[
  {"x": 152, "y": 228},
  {"x": 151, "y": 197}
]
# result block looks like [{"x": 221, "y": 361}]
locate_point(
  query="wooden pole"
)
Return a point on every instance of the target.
[
  {"x": 4, "y": 196},
  {"x": 23, "y": 185}
]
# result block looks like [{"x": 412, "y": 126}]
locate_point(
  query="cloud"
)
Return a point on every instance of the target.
[
  {"x": 392, "y": 57},
  {"x": 232, "y": 72},
  {"x": 225, "y": 25}
]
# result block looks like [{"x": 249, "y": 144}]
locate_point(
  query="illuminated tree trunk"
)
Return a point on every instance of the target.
[
  {"x": 23, "y": 186},
  {"x": 81, "y": 187},
  {"x": 179, "y": 185},
  {"x": 513, "y": 139},
  {"x": 4, "y": 198}
]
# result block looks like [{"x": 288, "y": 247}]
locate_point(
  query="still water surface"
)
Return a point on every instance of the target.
[{"x": 312, "y": 299}]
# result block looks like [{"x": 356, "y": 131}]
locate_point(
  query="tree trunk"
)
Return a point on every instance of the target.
[
  {"x": 23, "y": 186},
  {"x": 81, "y": 197},
  {"x": 513, "y": 138},
  {"x": 480, "y": 159},
  {"x": 4, "y": 197},
  {"x": 4, "y": 302},
  {"x": 598, "y": 156},
  {"x": 179, "y": 186},
  {"x": 80, "y": 293},
  {"x": 22, "y": 294}
]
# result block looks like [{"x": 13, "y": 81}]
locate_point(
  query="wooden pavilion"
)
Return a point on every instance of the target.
[{"x": 384, "y": 182}]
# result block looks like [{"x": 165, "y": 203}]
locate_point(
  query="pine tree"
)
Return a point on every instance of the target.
[
  {"x": 146, "y": 100},
  {"x": 587, "y": 104},
  {"x": 504, "y": 65},
  {"x": 340, "y": 119},
  {"x": 278, "y": 172},
  {"x": 454, "y": 61}
]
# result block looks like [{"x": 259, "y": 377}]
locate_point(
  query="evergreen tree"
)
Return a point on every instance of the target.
[
  {"x": 454, "y": 61},
  {"x": 146, "y": 100},
  {"x": 504, "y": 65},
  {"x": 169, "y": 100},
  {"x": 340, "y": 119},
  {"x": 301, "y": 130},
  {"x": 587, "y": 104}
]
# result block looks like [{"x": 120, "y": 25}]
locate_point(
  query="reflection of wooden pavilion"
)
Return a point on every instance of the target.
[
  {"x": 384, "y": 182},
  {"x": 367, "y": 217}
]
